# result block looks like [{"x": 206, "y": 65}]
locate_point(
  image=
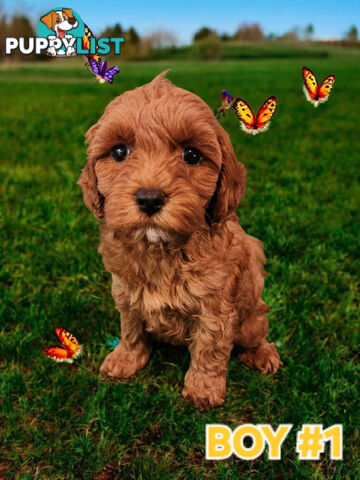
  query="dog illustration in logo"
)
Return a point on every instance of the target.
[{"x": 60, "y": 21}]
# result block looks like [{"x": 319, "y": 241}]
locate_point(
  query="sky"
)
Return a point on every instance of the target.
[{"x": 330, "y": 18}]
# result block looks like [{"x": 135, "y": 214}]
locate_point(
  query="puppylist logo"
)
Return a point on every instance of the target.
[{"x": 62, "y": 33}]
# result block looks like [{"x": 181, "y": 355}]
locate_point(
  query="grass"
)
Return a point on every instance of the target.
[{"x": 62, "y": 421}]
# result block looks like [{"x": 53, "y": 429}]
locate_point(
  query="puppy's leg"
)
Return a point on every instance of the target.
[
  {"x": 133, "y": 351},
  {"x": 256, "y": 350},
  {"x": 205, "y": 381}
]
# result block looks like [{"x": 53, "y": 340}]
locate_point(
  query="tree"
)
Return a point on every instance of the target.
[
  {"x": 309, "y": 31},
  {"x": 224, "y": 37},
  {"x": 352, "y": 34},
  {"x": 203, "y": 33},
  {"x": 4, "y": 33},
  {"x": 132, "y": 37},
  {"x": 19, "y": 26},
  {"x": 162, "y": 39},
  {"x": 132, "y": 44},
  {"x": 115, "y": 31},
  {"x": 271, "y": 37},
  {"x": 292, "y": 36},
  {"x": 249, "y": 32},
  {"x": 210, "y": 48}
]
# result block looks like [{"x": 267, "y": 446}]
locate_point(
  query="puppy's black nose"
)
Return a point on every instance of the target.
[
  {"x": 72, "y": 20},
  {"x": 150, "y": 201}
]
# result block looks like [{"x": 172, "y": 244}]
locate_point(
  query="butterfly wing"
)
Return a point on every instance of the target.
[
  {"x": 310, "y": 83},
  {"x": 58, "y": 354},
  {"x": 94, "y": 66},
  {"x": 68, "y": 341},
  {"x": 227, "y": 101},
  {"x": 86, "y": 41},
  {"x": 245, "y": 114},
  {"x": 266, "y": 113},
  {"x": 86, "y": 44},
  {"x": 325, "y": 88},
  {"x": 103, "y": 68},
  {"x": 110, "y": 73},
  {"x": 226, "y": 98}
]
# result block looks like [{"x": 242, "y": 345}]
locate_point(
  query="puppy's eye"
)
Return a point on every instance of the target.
[
  {"x": 65, "y": 17},
  {"x": 119, "y": 152},
  {"x": 192, "y": 155},
  {"x": 58, "y": 19}
]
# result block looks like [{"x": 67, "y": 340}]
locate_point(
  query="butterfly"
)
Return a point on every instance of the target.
[
  {"x": 86, "y": 44},
  {"x": 98, "y": 67},
  {"x": 255, "y": 124},
  {"x": 70, "y": 350},
  {"x": 227, "y": 102},
  {"x": 101, "y": 72},
  {"x": 314, "y": 92}
]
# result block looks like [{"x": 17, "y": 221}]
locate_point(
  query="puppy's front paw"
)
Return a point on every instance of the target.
[
  {"x": 265, "y": 358},
  {"x": 123, "y": 363},
  {"x": 203, "y": 391}
]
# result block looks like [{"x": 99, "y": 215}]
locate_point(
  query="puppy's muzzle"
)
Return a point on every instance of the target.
[{"x": 150, "y": 201}]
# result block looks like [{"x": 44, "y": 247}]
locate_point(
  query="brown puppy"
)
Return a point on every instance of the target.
[{"x": 163, "y": 178}]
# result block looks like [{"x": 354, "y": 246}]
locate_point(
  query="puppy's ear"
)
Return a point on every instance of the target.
[
  {"x": 48, "y": 19},
  {"x": 68, "y": 12},
  {"x": 231, "y": 183},
  {"x": 88, "y": 182}
]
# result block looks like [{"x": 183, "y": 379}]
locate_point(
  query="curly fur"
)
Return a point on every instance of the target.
[{"x": 188, "y": 274}]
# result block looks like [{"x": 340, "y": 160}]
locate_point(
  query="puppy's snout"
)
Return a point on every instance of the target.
[
  {"x": 72, "y": 20},
  {"x": 150, "y": 201}
]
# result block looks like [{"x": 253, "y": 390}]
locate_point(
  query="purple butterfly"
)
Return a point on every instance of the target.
[
  {"x": 101, "y": 72},
  {"x": 226, "y": 102}
]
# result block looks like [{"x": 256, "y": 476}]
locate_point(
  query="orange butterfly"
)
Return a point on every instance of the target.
[
  {"x": 314, "y": 92},
  {"x": 86, "y": 44},
  {"x": 69, "y": 352},
  {"x": 255, "y": 124}
]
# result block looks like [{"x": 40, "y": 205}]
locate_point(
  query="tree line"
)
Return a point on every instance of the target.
[
  {"x": 253, "y": 32},
  {"x": 206, "y": 42}
]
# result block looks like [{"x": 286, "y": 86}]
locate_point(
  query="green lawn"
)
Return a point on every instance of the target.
[{"x": 60, "y": 421}]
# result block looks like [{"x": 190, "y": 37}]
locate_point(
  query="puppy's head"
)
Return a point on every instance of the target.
[
  {"x": 60, "y": 21},
  {"x": 160, "y": 165}
]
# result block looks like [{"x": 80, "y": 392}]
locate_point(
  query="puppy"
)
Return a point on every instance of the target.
[
  {"x": 60, "y": 21},
  {"x": 163, "y": 178}
]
